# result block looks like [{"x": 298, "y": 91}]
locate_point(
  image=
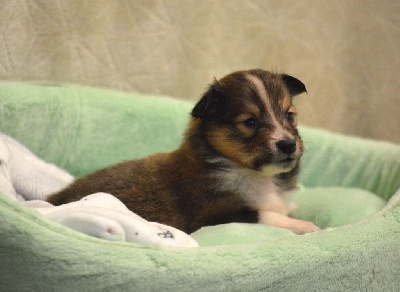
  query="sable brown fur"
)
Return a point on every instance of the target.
[{"x": 228, "y": 166}]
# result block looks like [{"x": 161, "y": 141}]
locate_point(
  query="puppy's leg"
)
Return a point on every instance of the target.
[{"x": 279, "y": 220}]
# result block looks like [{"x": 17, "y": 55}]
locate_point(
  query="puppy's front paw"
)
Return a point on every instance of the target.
[
  {"x": 279, "y": 220},
  {"x": 302, "y": 227}
]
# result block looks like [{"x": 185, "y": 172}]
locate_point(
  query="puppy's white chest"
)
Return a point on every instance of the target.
[
  {"x": 259, "y": 192},
  {"x": 266, "y": 196}
]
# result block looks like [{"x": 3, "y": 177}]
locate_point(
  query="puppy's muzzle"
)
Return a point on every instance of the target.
[
  {"x": 283, "y": 157},
  {"x": 287, "y": 146}
]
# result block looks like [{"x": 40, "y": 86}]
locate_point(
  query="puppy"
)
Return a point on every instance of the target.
[{"x": 238, "y": 161}]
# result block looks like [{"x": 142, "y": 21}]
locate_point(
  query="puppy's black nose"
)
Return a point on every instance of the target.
[{"x": 286, "y": 146}]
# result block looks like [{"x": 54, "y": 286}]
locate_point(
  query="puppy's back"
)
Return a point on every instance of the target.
[{"x": 137, "y": 184}]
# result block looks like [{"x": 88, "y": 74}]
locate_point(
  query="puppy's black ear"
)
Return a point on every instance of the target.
[
  {"x": 207, "y": 105},
  {"x": 294, "y": 85}
]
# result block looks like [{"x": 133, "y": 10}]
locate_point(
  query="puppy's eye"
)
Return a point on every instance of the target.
[
  {"x": 290, "y": 117},
  {"x": 252, "y": 123}
]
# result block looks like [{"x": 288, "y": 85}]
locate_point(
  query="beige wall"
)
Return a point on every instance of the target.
[{"x": 346, "y": 52}]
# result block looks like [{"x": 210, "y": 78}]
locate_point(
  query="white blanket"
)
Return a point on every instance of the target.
[{"x": 29, "y": 180}]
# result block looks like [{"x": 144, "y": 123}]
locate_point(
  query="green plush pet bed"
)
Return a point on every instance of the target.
[{"x": 349, "y": 191}]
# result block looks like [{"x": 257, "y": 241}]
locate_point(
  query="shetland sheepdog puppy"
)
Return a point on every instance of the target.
[{"x": 238, "y": 162}]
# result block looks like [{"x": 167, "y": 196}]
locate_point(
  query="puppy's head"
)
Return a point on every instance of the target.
[{"x": 248, "y": 117}]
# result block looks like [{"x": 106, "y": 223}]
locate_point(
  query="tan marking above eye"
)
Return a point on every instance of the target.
[
  {"x": 292, "y": 109},
  {"x": 244, "y": 117},
  {"x": 287, "y": 102},
  {"x": 240, "y": 123},
  {"x": 249, "y": 110}
]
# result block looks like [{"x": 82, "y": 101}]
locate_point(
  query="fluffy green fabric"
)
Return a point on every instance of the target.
[
  {"x": 235, "y": 233},
  {"x": 326, "y": 207},
  {"x": 336, "y": 206},
  {"x": 82, "y": 129}
]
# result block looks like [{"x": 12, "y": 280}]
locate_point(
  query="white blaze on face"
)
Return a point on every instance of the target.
[
  {"x": 279, "y": 132},
  {"x": 262, "y": 92}
]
